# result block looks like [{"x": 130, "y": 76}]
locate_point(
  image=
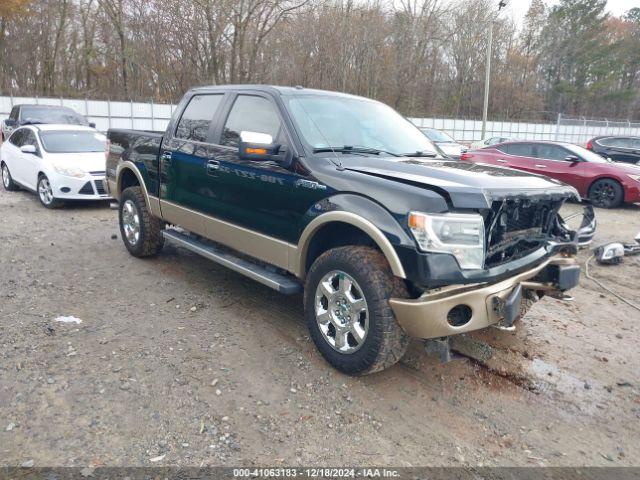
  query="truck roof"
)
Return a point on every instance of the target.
[{"x": 278, "y": 90}]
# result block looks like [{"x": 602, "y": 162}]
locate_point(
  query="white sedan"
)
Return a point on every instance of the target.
[{"x": 58, "y": 162}]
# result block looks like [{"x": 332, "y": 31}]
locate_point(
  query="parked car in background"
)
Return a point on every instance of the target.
[
  {"x": 445, "y": 142},
  {"x": 618, "y": 149},
  {"x": 487, "y": 142},
  {"x": 59, "y": 162},
  {"x": 606, "y": 184},
  {"x": 35, "y": 114}
]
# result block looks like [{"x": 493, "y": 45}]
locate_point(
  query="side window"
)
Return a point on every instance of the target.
[
  {"x": 197, "y": 117},
  {"x": 251, "y": 114},
  {"x": 14, "y": 113},
  {"x": 551, "y": 152},
  {"x": 519, "y": 149},
  {"x": 17, "y": 137},
  {"x": 616, "y": 142},
  {"x": 635, "y": 143},
  {"x": 30, "y": 139}
]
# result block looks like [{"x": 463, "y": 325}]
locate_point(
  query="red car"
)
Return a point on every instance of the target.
[{"x": 606, "y": 184}]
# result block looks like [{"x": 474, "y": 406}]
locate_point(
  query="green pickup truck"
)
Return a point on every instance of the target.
[{"x": 343, "y": 199}]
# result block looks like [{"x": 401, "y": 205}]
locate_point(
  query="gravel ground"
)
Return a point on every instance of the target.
[{"x": 178, "y": 361}]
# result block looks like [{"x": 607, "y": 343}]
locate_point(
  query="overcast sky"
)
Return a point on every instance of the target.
[{"x": 617, "y": 7}]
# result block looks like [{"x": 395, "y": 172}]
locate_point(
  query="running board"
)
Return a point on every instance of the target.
[{"x": 282, "y": 283}]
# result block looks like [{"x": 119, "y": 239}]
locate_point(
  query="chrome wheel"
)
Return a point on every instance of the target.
[
  {"x": 45, "y": 191},
  {"x": 6, "y": 178},
  {"x": 341, "y": 312},
  {"x": 131, "y": 222}
]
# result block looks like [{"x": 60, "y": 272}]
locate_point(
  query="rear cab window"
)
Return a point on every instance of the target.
[{"x": 195, "y": 122}]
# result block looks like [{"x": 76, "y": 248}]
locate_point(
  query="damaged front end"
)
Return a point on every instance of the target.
[{"x": 516, "y": 229}]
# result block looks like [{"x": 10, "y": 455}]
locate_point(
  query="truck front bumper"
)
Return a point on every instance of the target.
[{"x": 459, "y": 309}]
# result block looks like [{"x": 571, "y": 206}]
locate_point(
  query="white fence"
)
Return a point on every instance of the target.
[
  {"x": 105, "y": 114},
  {"x": 154, "y": 116},
  {"x": 573, "y": 130}
]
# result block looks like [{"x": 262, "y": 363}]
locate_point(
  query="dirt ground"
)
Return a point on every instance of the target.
[{"x": 179, "y": 361}]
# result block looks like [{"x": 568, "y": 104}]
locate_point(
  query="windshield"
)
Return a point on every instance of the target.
[
  {"x": 331, "y": 121},
  {"x": 73, "y": 142},
  {"x": 52, "y": 115},
  {"x": 587, "y": 155},
  {"x": 438, "y": 136}
]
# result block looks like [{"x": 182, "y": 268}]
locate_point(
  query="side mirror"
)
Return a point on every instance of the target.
[
  {"x": 10, "y": 122},
  {"x": 257, "y": 146},
  {"x": 29, "y": 149},
  {"x": 572, "y": 158},
  {"x": 92, "y": 124}
]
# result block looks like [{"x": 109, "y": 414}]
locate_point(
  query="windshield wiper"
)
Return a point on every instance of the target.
[
  {"x": 352, "y": 149},
  {"x": 421, "y": 154}
]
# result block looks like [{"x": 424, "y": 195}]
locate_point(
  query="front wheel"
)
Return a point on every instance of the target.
[
  {"x": 347, "y": 310},
  {"x": 7, "y": 182},
  {"x": 45, "y": 193},
  {"x": 606, "y": 193},
  {"x": 141, "y": 232}
]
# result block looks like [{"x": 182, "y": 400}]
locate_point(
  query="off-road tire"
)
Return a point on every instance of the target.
[
  {"x": 10, "y": 185},
  {"x": 151, "y": 239},
  {"x": 385, "y": 342},
  {"x": 614, "y": 189}
]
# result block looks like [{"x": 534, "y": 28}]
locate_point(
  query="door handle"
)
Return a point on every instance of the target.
[
  {"x": 541, "y": 166},
  {"x": 167, "y": 156},
  {"x": 213, "y": 166}
]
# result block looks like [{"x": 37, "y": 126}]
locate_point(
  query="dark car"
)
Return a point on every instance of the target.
[
  {"x": 342, "y": 198},
  {"x": 33, "y": 114},
  {"x": 606, "y": 184},
  {"x": 618, "y": 149}
]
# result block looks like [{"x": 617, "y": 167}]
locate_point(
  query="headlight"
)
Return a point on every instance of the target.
[
  {"x": 69, "y": 172},
  {"x": 461, "y": 235},
  {"x": 634, "y": 177}
]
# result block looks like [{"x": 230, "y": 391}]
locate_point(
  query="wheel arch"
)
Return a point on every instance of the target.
[
  {"x": 128, "y": 175},
  {"x": 320, "y": 236}
]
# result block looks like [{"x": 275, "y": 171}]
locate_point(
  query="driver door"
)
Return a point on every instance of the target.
[
  {"x": 263, "y": 195},
  {"x": 30, "y": 162}
]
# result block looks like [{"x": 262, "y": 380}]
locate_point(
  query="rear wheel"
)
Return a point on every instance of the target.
[
  {"x": 7, "y": 182},
  {"x": 45, "y": 193},
  {"x": 606, "y": 193},
  {"x": 141, "y": 232},
  {"x": 347, "y": 310}
]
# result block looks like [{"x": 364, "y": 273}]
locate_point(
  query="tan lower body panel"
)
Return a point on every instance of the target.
[
  {"x": 426, "y": 317},
  {"x": 268, "y": 249}
]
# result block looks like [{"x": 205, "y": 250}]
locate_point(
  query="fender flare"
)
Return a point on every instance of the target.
[
  {"x": 357, "y": 221},
  {"x": 128, "y": 165}
]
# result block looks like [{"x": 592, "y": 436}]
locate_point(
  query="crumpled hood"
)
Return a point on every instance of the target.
[{"x": 468, "y": 185}]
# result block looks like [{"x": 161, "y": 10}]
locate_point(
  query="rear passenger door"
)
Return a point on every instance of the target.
[
  {"x": 186, "y": 155},
  {"x": 13, "y": 155}
]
